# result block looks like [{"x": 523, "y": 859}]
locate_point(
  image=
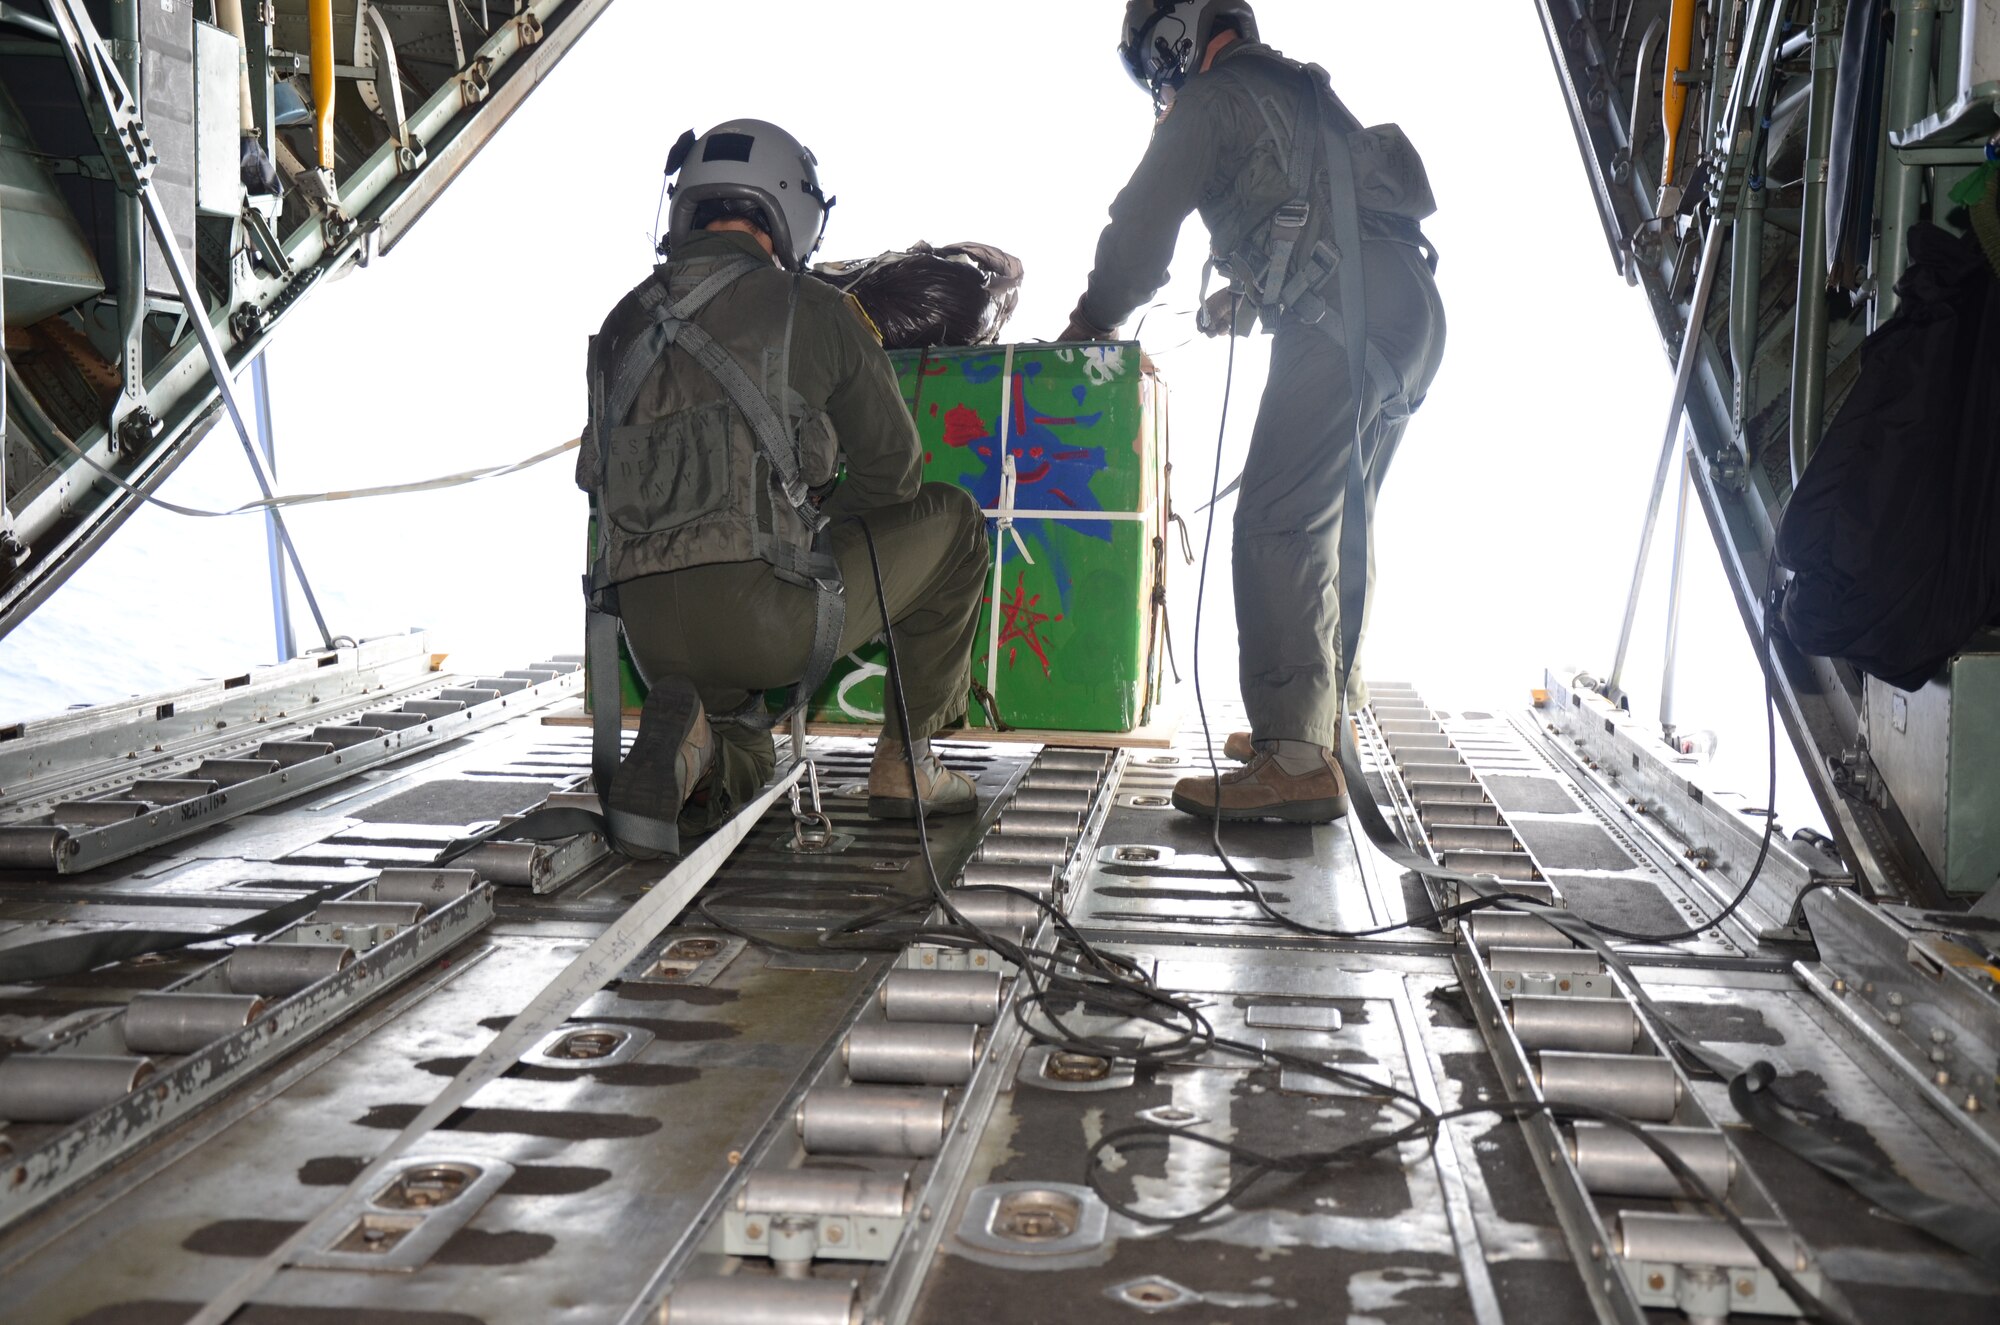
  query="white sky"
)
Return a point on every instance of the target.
[{"x": 1506, "y": 529}]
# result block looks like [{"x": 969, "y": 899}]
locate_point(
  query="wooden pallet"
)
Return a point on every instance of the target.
[{"x": 1157, "y": 735}]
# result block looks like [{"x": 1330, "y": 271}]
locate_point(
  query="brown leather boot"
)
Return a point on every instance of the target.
[
  {"x": 1262, "y": 789},
  {"x": 1238, "y": 747},
  {"x": 890, "y": 792}
]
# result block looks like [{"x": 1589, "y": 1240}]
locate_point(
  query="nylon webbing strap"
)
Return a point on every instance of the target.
[
  {"x": 1352, "y": 324},
  {"x": 607, "y": 697},
  {"x": 615, "y": 949},
  {"x": 1288, "y": 223},
  {"x": 75, "y": 953},
  {"x": 1974, "y": 1230}
]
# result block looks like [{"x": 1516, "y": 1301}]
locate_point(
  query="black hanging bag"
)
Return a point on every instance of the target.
[{"x": 1890, "y": 533}]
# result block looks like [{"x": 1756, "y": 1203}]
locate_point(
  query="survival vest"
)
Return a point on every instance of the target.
[{"x": 697, "y": 450}]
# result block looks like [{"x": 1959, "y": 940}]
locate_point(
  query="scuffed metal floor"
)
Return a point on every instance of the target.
[{"x": 614, "y": 1174}]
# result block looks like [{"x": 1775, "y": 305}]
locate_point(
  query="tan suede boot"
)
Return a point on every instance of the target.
[
  {"x": 892, "y": 796},
  {"x": 1238, "y": 747},
  {"x": 1262, "y": 789},
  {"x": 669, "y": 760}
]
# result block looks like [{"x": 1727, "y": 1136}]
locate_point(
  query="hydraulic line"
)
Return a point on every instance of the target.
[
  {"x": 323, "y": 81},
  {"x": 1674, "y": 96}
]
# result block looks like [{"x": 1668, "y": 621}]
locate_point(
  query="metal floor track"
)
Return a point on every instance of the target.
[{"x": 755, "y": 1123}]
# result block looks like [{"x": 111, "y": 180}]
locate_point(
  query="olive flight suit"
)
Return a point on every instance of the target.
[
  {"x": 1219, "y": 150},
  {"x": 736, "y": 628}
]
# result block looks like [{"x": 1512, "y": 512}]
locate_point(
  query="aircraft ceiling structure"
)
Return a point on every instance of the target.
[{"x": 228, "y": 158}]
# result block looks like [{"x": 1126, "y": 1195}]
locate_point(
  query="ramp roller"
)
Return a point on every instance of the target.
[
  {"x": 1574, "y": 1024},
  {"x": 918, "y": 996},
  {"x": 279, "y": 970},
  {"x": 912, "y": 1053},
  {"x": 1613, "y": 1162},
  {"x": 186, "y": 1023},
  {"x": 742, "y": 1300},
  {"x": 902, "y": 1122},
  {"x": 1639, "y": 1086},
  {"x": 60, "y": 1088}
]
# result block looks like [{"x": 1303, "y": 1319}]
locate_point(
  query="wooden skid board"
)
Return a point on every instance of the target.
[{"x": 1159, "y": 735}]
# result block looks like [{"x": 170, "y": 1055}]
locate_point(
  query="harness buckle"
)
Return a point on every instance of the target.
[
  {"x": 1292, "y": 215},
  {"x": 1310, "y": 309}
]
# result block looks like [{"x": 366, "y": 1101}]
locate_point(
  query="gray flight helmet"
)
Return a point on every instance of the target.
[
  {"x": 1163, "y": 40},
  {"x": 758, "y": 164}
]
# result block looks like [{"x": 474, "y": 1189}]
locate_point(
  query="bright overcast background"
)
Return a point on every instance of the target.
[{"x": 1505, "y": 532}]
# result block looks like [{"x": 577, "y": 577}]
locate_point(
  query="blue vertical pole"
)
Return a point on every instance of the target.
[{"x": 281, "y": 607}]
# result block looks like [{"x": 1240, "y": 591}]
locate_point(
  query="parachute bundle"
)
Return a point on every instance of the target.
[{"x": 924, "y": 297}]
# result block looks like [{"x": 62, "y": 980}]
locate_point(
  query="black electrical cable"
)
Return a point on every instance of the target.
[
  {"x": 1306, "y": 1164},
  {"x": 1432, "y": 920},
  {"x": 1120, "y": 989},
  {"x": 1242, "y": 880},
  {"x": 1131, "y": 994},
  {"x": 1735, "y": 904}
]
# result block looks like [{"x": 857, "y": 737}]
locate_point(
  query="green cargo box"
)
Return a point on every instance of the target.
[{"x": 1075, "y": 646}]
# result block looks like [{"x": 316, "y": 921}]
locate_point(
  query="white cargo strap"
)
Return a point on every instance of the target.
[
  {"x": 615, "y": 949},
  {"x": 1003, "y": 528}
]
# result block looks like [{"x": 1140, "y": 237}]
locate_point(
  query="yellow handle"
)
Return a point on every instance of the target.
[
  {"x": 322, "y": 67},
  {"x": 1673, "y": 93}
]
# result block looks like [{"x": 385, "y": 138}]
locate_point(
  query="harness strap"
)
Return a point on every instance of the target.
[
  {"x": 743, "y": 393},
  {"x": 773, "y": 439},
  {"x": 611, "y": 399},
  {"x": 1352, "y": 328},
  {"x": 1288, "y": 223}
]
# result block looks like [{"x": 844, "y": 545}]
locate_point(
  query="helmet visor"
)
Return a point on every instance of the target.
[{"x": 1161, "y": 53}]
